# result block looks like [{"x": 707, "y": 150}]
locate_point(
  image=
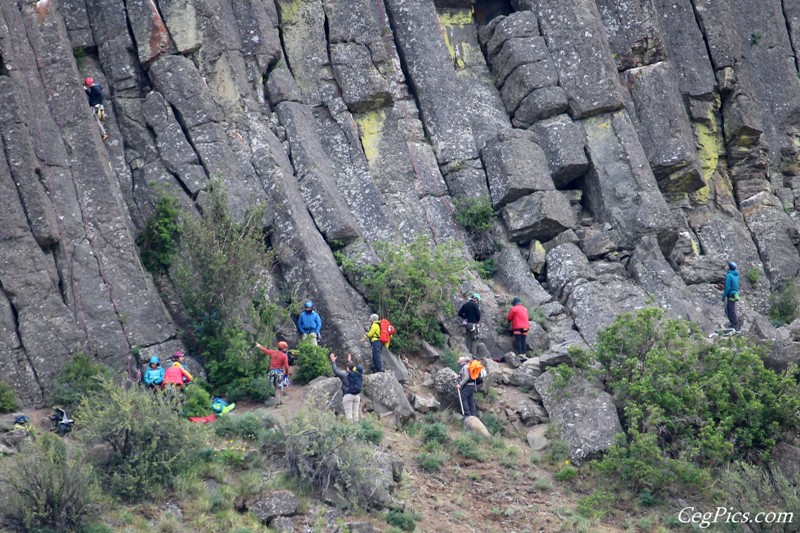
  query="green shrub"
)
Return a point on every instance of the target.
[
  {"x": 158, "y": 243},
  {"x": 475, "y": 215},
  {"x": 149, "y": 443},
  {"x": 493, "y": 423},
  {"x": 325, "y": 454},
  {"x": 687, "y": 403},
  {"x": 753, "y": 275},
  {"x": 596, "y": 505},
  {"x": 312, "y": 362},
  {"x": 369, "y": 431},
  {"x": 435, "y": 432},
  {"x": 432, "y": 461},
  {"x": 8, "y": 398},
  {"x": 450, "y": 360},
  {"x": 77, "y": 379},
  {"x": 784, "y": 304},
  {"x": 566, "y": 473},
  {"x": 487, "y": 268},
  {"x": 413, "y": 284},
  {"x": 401, "y": 519},
  {"x": 257, "y": 388},
  {"x": 247, "y": 426},
  {"x": 197, "y": 402},
  {"x": 468, "y": 447},
  {"x": 49, "y": 486},
  {"x": 80, "y": 56}
]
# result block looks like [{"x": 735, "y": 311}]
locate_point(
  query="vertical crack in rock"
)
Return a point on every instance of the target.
[
  {"x": 18, "y": 333},
  {"x": 787, "y": 21}
]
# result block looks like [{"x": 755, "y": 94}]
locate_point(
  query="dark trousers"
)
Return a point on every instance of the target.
[
  {"x": 520, "y": 343},
  {"x": 468, "y": 399},
  {"x": 730, "y": 312},
  {"x": 377, "y": 362}
]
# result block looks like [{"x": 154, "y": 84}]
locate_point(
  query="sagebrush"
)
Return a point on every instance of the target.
[
  {"x": 8, "y": 398},
  {"x": 77, "y": 379}
]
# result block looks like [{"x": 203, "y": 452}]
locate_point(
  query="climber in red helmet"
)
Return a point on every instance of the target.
[{"x": 94, "y": 92}]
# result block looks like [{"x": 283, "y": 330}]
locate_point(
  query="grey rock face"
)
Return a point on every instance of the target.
[
  {"x": 634, "y": 36},
  {"x": 515, "y": 166},
  {"x": 578, "y": 44},
  {"x": 563, "y": 143},
  {"x": 664, "y": 129},
  {"x": 567, "y": 267},
  {"x": 586, "y": 416}
]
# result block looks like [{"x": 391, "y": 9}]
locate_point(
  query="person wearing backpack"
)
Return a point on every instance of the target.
[
  {"x": 470, "y": 315},
  {"x": 352, "y": 381},
  {"x": 467, "y": 385},
  {"x": 94, "y": 93},
  {"x": 518, "y": 317},
  {"x": 379, "y": 335}
]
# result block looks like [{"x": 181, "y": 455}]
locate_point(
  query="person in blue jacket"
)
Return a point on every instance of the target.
[
  {"x": 154, "y": 375},
  {"x": 731, "y": 295},
  {"x": 309, "y": 323}
]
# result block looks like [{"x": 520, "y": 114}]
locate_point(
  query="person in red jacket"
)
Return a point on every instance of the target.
[
  {"x": 518, "y": 316},
  {"x": 278, "y": 368},
  {"x": 176, "y": 375}
]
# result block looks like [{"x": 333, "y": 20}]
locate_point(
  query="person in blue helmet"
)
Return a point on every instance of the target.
[
  {"x": 730, "y": 296},
  {"x": 309, "y": 323},
  {"x": 154, "y": 375}
]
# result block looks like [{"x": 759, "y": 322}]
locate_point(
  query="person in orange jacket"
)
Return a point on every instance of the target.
[
  {"x": 177, "y": 375},
  {"x": 518, "y": 316}
]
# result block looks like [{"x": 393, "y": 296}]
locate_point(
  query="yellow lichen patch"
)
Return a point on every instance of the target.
[
  {"x": 701, "y": 196},
  {"x": 370, "y": 126},
  {"x": 448, "y": 19},
  {"x": 708, "y": 148},
  {"x": 289, "y": 11}
]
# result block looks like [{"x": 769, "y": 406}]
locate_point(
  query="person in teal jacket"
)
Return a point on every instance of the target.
[
  {"x": 731, "y": 295},
  {"x": 154, "y": 375}
]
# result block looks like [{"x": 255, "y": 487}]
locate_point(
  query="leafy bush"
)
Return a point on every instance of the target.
[
  {"x": 8, "y": 398},
  {"x": 369, "y": 431},
  {"x": 686, "y": 403},
  {"x": 784, "y": 304},
  {"x": 435, "y": 432},
  {"x": 401, "y": 519},
  {"x": 149, "y": 443},
  {"x": 432, "y": 461},
  {"x": 256, "y": 388},
  {"x": 312, "y": 362},
  {"x": 158, "y": 242},
  {"x": 234, "y": 366},
  {"x": 469, "y": 447},
  {"x": 596, "y": 505},
  {"x": 48, "y": 485},
  {"x": 450, "y": 360},
  {"x": 77, "y": 379},
  {"x": 475, "y": 214},
  {"x": 197, "y": 402},
  {"x": 247, "y": 426},
  {"x": 326, "y": 454},
  {"x": 412, "y": 285},
  {"x": 493, "y": 423},
  {"x": 566, "y": 473}
]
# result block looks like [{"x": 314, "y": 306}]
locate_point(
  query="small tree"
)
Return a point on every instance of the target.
[
  {"x": 49, "y": 486},
  {"x": 77, "y": 379},
  {"x": 149, "y": 443},
  {"x": 312, "y": 362},
  {"x": 412, "y": 285},
  {"x": 8, "y": 398},
  {"x": 784, "y": 304},
  {"x": 158, "y": 242}
]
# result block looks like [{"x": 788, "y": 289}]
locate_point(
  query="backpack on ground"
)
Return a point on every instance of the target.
[
  {"x": 387, "y": 330},
  {"x": 476, "y": 371},
  {"x": 355, "y": 381},
  {"x": 218, "y": 405}
]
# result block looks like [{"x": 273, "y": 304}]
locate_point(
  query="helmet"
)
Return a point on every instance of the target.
[
  {"x": 283, "y": 345},
  {"x": 178, "y": 355},
  {"x": 154, "y": 360},
  {"x": 374, "y": 318},
  {"x": 516, "y": 301},
  {"x": 475, "y": 296},
  {"x": 731, "y": 265},
  {"x": 309, "y": 304},
  {"x": 88, "y": 81}
]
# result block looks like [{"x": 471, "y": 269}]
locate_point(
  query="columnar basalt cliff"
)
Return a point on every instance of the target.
[{"x": 629, "y": 147}]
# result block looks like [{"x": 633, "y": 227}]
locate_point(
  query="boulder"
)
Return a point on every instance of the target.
[
  {"x": 537, "y": 256},
  {"x": 531, "y": 413},
  {"x": 273, "y": 505},
  {"x": 516, "y": 52},
  {"x": 426, "y": 404},
  {"x": 325, "y": 393},
  {"x": 536, "y": 437},
  {"x": 525, "y": 79},
  {"x": 566, "y": 268},
  {"x": 516, "y": 25},
  {"x": 563, "y": 144},
  {"x": 554, "y": 358},
  {"x": 387, "y": 396},
  {"x": 527, "y": 374},
  {"x": 541, "y": 103},
  {"x": 515, "y": 275},
  {"x": 540, "y": 215},
  {"x": 515, "y": 167},
  {"x": 586, "y": 417},
  {"x": 474, "y": 425},
  {"x": 444, "y": 383}
]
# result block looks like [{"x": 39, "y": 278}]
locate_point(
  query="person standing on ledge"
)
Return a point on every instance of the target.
[{"x": 731, "y": 295}]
